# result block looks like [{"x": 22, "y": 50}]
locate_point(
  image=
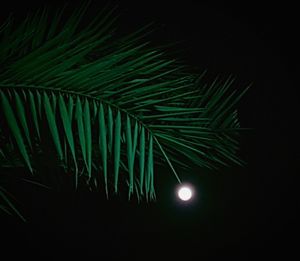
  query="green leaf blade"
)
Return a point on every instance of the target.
[
  {"x": 34, "y": 114},
  {"x": 52, "y": 125},
  {"x": 129, "y": 154},
  {"x": 22, "y": 117},
  {"x": 117, "y": 150},
  {"x": 67, "y": 124},
  {"x": 142, "y": 149},
  {"x": 103, "y": 145},
  {"x": 13, "y": 125},
  {"x": 110, "y": 129},
  {"x": 80, "y": 128},
  {"x": 88, "y": 136}
]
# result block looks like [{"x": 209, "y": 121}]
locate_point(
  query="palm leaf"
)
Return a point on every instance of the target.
[
  {"x": 142, "y": 158},
  {"x": 34, "y": 113},
  {"x": 52, "y": 125},
  {"x": 117, "y": 149},
  {"x": 66, "y": 118},
  {"x": 8, "y": 207},
  {"x": 15, "y": 130},
  {"x": 103, "y": 144},
  {"x": 108, "y": 100}
]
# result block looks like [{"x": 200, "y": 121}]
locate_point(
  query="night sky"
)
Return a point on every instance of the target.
[{"x": 239, "y": 212}]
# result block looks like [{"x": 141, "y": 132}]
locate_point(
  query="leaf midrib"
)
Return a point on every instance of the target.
[{"x": 68, "y": 92}]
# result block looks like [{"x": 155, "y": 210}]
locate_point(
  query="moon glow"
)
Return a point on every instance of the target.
[{"x": 185, "y": 193}]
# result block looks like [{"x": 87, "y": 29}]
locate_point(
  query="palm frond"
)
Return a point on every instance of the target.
[
  {"x": 108, "y": 101},
  {"x": 8, "y": 206}
]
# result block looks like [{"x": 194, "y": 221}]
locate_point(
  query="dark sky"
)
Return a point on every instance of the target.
[{"x": 239, "y": 212}]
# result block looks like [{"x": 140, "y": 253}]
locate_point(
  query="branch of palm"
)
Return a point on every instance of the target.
[{"x": 112, "y": 107}]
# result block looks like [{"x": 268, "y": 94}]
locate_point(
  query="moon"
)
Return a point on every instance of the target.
[{"x": 185, "y": 193}]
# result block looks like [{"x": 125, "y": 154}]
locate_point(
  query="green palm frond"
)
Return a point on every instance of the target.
[{"x": 112, "y": 107}]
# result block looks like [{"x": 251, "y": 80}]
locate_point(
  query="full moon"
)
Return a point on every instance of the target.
[{"x": 185, "y": 193}]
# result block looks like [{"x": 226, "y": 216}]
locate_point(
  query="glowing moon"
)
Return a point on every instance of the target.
[{"x": 185, "y": 193}]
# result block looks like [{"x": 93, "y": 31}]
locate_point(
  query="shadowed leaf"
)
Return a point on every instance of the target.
[
  {"x": 117, "y": 149},
  {"x": 22, "y": 117},
  {"x": 67, "y": 124},
  {"x": 88, "y": 136},
  {"x": 52, "y": 125},
  {"x": 103, "y": 144},
  {"x": 34, "y": 114},
  {"x": 15, "y": 130}
]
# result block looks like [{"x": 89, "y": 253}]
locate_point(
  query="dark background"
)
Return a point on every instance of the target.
[{"x": 239, "y": 213}]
